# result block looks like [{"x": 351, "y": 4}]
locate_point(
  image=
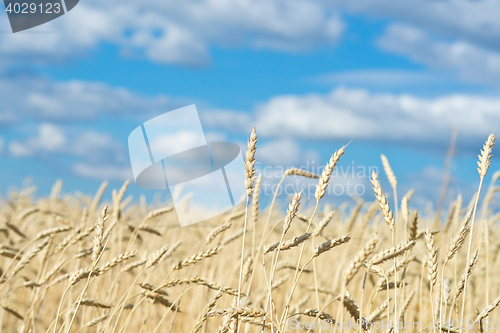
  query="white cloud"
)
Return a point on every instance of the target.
[
  {"x": 2, "y": 143},
  {"x": 168, "y": 144},
  {"x": 279, "y": 152},
  {"x": 50, "y": 138},
  {"x": 346, "y": 181},
  {"x": 215, "y": 137},
  {"x": 225, "y": 119},
  {"x": 359, "y": 114},
  {"x": 108, "y": 172},
  {"x": 473, "y": 21},
  {"x": 84, "y": 145},
  {"x": 427, "y": 184},
  {"x": 176, "y": 32},
  {"x": 85, "y": 153},
  {"x": 463, "y": 59},
  {"x": 95, "y": 146},
  {"x": 44, "y": 99}
]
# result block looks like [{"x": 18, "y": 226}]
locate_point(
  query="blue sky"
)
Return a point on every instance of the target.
[{"x": 395, "y": 78}]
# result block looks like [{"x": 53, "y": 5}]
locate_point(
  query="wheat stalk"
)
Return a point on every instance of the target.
[
  {"x": 388, "y": 171},
  {"x": 414, "y": 226},
  {"x": 488, "y": 310},
  {"x": 99, "y": 237},
  {"x": 355, "y": 264},
  {"x": 203, "y": 316},
  {"x": 217, "y": 231},
  {"x": 96, "y": 321},
  {"x": 330, "y": 244},
  {"x": 459, "y": 238},
  {"x": 323, "y": 223},
  {"x": 288, "y": 264},
  {"x": 377, "y": 313},
  {"x": 300, "y": 172},
  {"x": 382, "y": 200},
  {"x": 255, "y": 199},
  {"x": 391, "y": 253},
  {"x": 197, "y": 258},
  {"x": 243, "y": 311},
  {"x": 200, "y": 281},
  {"x": 327, "y": 173},
  {"x": 51, "y": 231},
  {"x": 431, "y": 258},
  {"x": 250, "y": 162},
  {"x": 353, "y": 308},
  {"x": 115, "y": 261},
  {"x": 318, "y": 314},
  {"x": 287, "y": 245},
  {"x": 292, "y": 211},
  {"x": 26, "y": 258},
  {"x": 95, "y": 303},
  {"x": 465, "y": 276}
]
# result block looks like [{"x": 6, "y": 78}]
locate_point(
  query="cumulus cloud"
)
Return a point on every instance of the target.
[
  {"x": 359, "y": 114},
  {"x": 90, "y": 154},
  {"x": 475, "y": 22},
  {"x": 85, "y": 153},
  {"x": 346, "y": 181},
  {"x": 226, "y": 119},
  {"x": 56, "y": 141},
  {"x": 284, "y": 152},
  {"x": 45, "y": 99},
  {"x": 279, "y": 152},
  {"x": 215, "y": 136},
  {"x": 168, "y": 144},
  {"x": 100, "y": 171},
  {"x": 50, "y": 138},
  {"x": 177, "y": 32},
  {"x": 427, "y": 184},
  {"x": 463, "y": 59}
]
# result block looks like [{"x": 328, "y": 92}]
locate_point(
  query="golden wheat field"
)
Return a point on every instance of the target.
[{"x": 74, "y": 263}]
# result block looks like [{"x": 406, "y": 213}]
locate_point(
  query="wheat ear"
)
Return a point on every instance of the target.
[
  {"x": 327, "y": 173},
  {"x": 356, "y": 263},
  {"x": 218, "y": 230},
  {"x": 382, "y": 200},
  {"x": 391, "y": 252},
  {"x": 483, "y": 166},
  {"x": 249, "y": 185},
  {"x": 98, "y": 239},
  {"x": 330, "y": 244},
  {"x": 243, "y": 311},
  {"x": 465, "y": 276},
  {"x": 488, "y": 309},
  {"x": 202, "y": 318},
  {"x": 323, "y": 223},
  {"x": 95, "y": 303},
  {"x": 431, "y": 258},
  {"x": 414, "y": 226},
  {"x": 318, "y": 314},
  {"x": 292, "y": 211},
  {"x": 197, "y": 258},
  {"x": 459, "y": 238}
]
